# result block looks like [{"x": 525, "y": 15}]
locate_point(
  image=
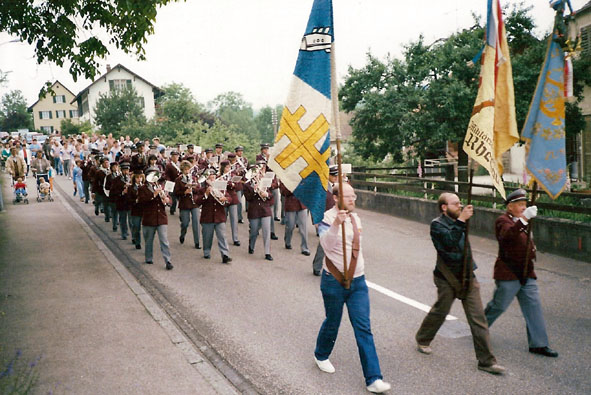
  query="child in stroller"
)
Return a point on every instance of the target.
[
  {"x": 43, "y": 188},
  {"x": 20, "y": 191}
]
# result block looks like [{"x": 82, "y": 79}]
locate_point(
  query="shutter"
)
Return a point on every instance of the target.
[
  {"x": 128, "y": 84},
  {"x": 50, "y": 115},
  {"x": 111, "y": 85},
  {"x": 586, "y": 39},
  {"x": 40, "y": 114},
  {"x": 63, "y": 98},
  {"x": 54, "y": 99}
]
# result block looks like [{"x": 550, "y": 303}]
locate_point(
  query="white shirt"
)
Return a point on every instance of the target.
[{"x": 331, "y": 240}]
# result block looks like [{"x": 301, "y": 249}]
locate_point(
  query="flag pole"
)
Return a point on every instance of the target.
[
  {"x": 534, "y": 193},
  {"x": 334, "y": 95},
  {"x": 467, "y": 266}
]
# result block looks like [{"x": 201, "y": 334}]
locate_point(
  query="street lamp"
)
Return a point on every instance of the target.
[{"x": 274, "y": 121}]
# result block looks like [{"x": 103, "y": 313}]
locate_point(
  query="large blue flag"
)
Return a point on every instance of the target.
[
  {"x": 302, "y": 146},
  {"x": 544, "y": 128}
]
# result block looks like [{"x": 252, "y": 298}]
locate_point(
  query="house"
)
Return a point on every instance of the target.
[
  {"x": 52, "y": 108},
  {"x": 116, "y": 78},
  {"x": 582, "y": 145}
]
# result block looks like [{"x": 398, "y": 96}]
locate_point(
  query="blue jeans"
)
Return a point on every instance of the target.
[
  {"x": 357, "y": 300},
  {"x": 124, "y": 221},
  {"x": 57, "y": 165},
  {"x": 136, "y": 227},
  {"x": 530, "y": 304}
]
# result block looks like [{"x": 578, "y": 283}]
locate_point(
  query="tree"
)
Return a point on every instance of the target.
[
  {"x": 69, "y": 128},
  {"x": 264, "y": 123},
  {"x": 236, "y": 113},
  {"x": 13, "y": 112},
  {"x": 57, "y": 29},
  {"x": 118, "y": 110},
  {"x": 417, "y": 104}
]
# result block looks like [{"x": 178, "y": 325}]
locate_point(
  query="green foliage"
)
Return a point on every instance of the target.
[
  {"x": 67, "y": 128},
  {"x": 414, "y": 105},
  {"x": 118, "y": 111},
  {"x": 58, "y": 29},
  {"x": 13, "y": 112},
  {"x": 234, "y": 111},
  {"x": 264, "y": 123}
]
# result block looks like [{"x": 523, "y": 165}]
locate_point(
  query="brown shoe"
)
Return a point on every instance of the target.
[
  {"x": 424, "y": 349},
  {"x": 492, "y": 369}
]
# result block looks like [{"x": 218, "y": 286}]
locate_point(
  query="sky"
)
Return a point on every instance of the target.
[{"x": 251, "y": 47}]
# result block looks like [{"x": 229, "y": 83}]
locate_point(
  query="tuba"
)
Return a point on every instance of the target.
[{"x": 216, "y": 193}]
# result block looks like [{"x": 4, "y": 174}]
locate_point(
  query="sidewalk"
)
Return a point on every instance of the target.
[{"x": 64, "y": 300}]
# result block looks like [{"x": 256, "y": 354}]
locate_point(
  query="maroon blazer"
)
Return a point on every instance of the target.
[
  {"x": 292, "y": 203},
  {"x": 232, "y": 188},
  {"x": 154, "y": 210},
  {"x": 138, "y": 162},
  {"x": 512, "y": 237},
  {"x": 211, "y": 211},
  {"x": 86, "y": 168},
  {"x": 171, "y": 173},
  {"x": 108, "y": 185},
  {"x": 257, "y": 207},
  {"x": 186, "y": 202},
  {"x": 119, "y": 194},
  {"x": 132, "y": 197},
  {"x": 98, "y": 182}
]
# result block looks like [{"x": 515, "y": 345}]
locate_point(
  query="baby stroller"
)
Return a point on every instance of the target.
[
  {"x": 43, "y": 195},
  {"x": 20, "y": 194}
]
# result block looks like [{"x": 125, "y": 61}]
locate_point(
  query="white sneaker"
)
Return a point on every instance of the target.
[
  {"x": 424, "y": 349},
  {"x": 325, "y": 365},
  {"x": 378, "y": 386}
]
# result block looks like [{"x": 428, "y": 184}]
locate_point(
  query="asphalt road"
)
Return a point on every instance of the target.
[{"x": 263, "y": 317}]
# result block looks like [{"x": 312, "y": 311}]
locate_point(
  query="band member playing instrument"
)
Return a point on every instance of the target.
[
  {"x": 112, "y": 200},
  {"x": 511, "y": 231},
  {"x": 243, "y": 165},
  {"x": 264, "y": 155},
  {"x": 190, "y": 154},
  {"x": 448, "y": 235},
  {"x": 218, "y": 155},
  {"x": 154, "y": 219},
  {"x": 319, "y": 256},
  {"x": 295, "y": 214},
  {"x": 172, "y": 172},
  {"x": 205, "y": 163},
  {"x": 213, "y": 217},
  {"x": 186, "y": 190},
  {"x": 139, "y": 160},
  {"x": 119, "y": 189},
  {"x": 100, "y": 199},
  {"x": 86, "y": 167},
  {"x": 336, "y": 293},
  {"x": 232, "y": 205},
  {"x": 137, "y": 181},
  {"x": 260, "y": 201}
]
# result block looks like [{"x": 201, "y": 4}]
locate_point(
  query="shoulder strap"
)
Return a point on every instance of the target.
[{"x": 339, "y": 276}]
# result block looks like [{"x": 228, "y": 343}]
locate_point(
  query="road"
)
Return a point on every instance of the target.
[{"x": 262, "y": 317}]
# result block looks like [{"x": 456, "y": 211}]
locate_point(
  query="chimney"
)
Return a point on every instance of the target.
[{"x": 108, "y": 68}]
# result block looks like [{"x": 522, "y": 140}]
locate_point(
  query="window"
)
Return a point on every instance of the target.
[
  {"x": 586, "y": 39},
  {"x": 119, "y": 84},
  {"x": 48, "y": 129},
  {"x": 142, "y": 102},
  {"x": 73, "y": 113},
  {"x": 85, "y": 107},
  {"x": 60, "y": 113},
  {"x": 45, "y": 115},
  {"x": 59, "y": 99}
]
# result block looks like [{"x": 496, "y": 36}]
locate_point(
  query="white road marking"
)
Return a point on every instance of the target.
[{"x": 404, "y": 299}]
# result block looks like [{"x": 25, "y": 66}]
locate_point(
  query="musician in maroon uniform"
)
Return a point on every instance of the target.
[
  {"x": 98, "y": 182},
  {"x": 139, "y": 161},
  {"x": 186, "y": 190},
  {"x": 232, "y": 205},
  {"x": 154, "y": 219},
  {"x": 260, "y": 201},
  {"x": 172, "y": 171},
  {"x": 213, "y": 217},
  {"x": 111, "y": 207},
  {"x": 136, "y": 208},
  {"x": 119, "y": 189},
  {"x": 243, "y": 165},
  {"x": 295, "y": 214}
]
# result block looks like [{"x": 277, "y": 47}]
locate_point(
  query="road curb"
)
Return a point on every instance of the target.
[{"x": 215, "y": 370}]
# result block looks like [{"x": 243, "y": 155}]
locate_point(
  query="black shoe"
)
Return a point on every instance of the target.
[
  {"x": 226, "y": 259},
  {"x": 107, "y": 220},
  {"x": 268, "y": 257},
  {"x": 274, "y": 237},
  {"x": 115, "y": 229},
  {"x": 138, "y": 246},
  {"x": 123, "y": 237},
  {"x": 316, "y": 272},
  {"x": 287, "y": 247},
  {"x": 250, "y": 250},
  {"x": 545, "y": 351},
  {"x": 197, "y": 247},
  {"x": 96, "y": 212},
  {"x": 240, "y": 221},
  {"x": 277, "y": 219},
  {"x": 171, "y": 212},
  {"x": 149, "y": 262},
  {"x": 169, "y": 266},
  {"x": 237, "y": 243},
  {"x": 306, "y": 253},
  {"x": 133, "y": 241},
  {"x": 206, "y": 257},
  {"x": 181, "y": 239}
]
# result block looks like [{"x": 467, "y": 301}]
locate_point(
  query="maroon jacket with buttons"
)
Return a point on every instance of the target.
[
  {"x": 292, "y": 203},
  {"x": 171, "y": 173},
  {"x": 512, "y": 237},
  {"x": 118, "y": 195},
  {"x": 257, "y": 207},
  {"x": 154, "y": 210},
  {"x": 132, "y": 197},
  {"x": 186, "y": 201},
  {"x": 211, "y": 211}
]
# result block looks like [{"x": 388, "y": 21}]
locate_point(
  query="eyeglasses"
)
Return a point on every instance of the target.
[{"x": 350, "y": 197}]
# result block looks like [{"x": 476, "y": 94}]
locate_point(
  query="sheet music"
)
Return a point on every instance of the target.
[
  {"x": 169, "y": 186},
  {"x": 236, "y": 179},
  {"x": 265, "y": 182},
  {"x": 269, "y": 175},
  {"x": 220, "y": 185}
]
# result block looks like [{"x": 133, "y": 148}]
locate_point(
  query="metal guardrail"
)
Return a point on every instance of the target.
[{"x": 435, "y": 186}]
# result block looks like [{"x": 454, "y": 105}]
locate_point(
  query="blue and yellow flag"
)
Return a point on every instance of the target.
[
  {"x": 544, "y": 128},
  {"x": 492, "y": 129},
  {"x": 302, "y": 146}
]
